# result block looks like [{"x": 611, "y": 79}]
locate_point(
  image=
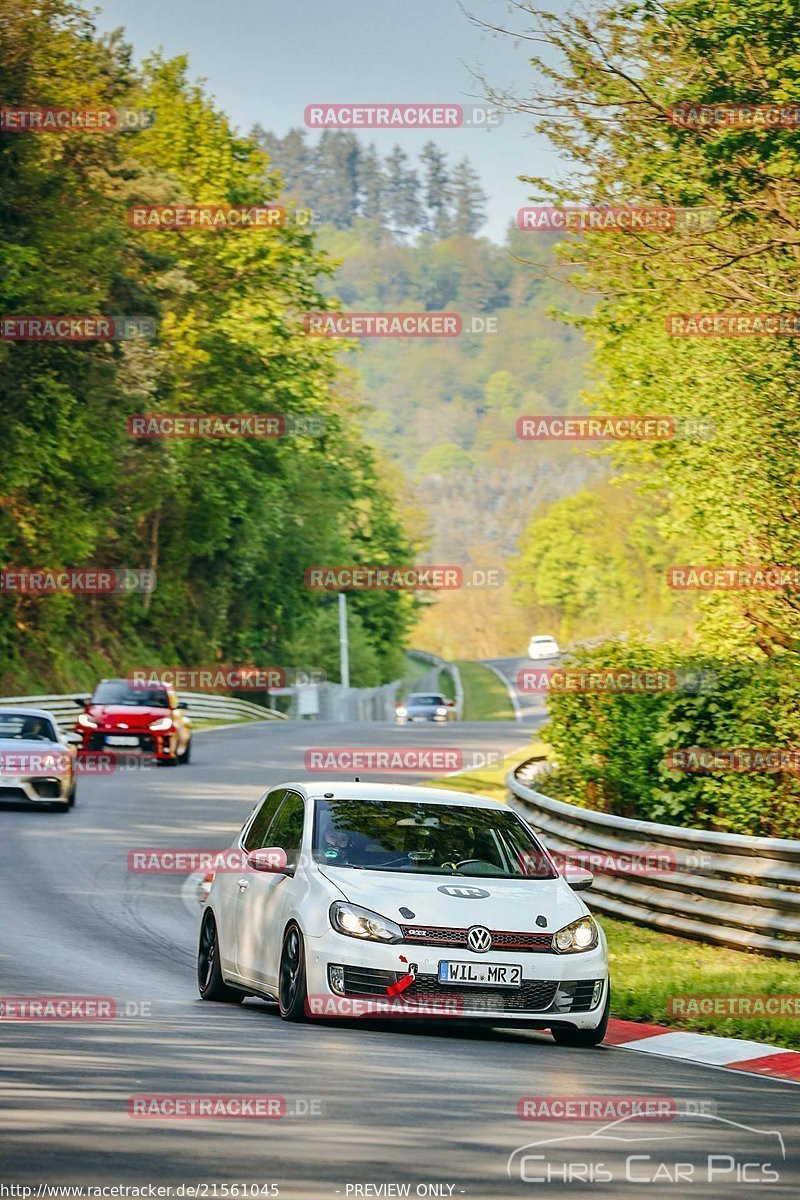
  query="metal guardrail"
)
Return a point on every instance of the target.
[
  {"x": 725, "y": 888},
  {"x": 202, "y": 706}
]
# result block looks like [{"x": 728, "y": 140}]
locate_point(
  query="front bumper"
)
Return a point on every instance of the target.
[
  {"x": 37, "y": 789},
  {"x": 556, "y": 988},
  {"x": 161, "y": 746}
]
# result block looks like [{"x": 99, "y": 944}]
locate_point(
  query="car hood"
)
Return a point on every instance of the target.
[
  {"x": 31, "y": 746},
  {"x": 511, "y": 904},
  {"x": 131, "y": 715}
]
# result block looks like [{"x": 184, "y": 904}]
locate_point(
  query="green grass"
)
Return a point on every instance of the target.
[
  {"x": 486, "y": 698},
  {"x": 648, "y": 966}
]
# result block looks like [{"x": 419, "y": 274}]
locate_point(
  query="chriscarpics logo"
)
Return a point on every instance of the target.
[{"x": 692, "y": 1150}]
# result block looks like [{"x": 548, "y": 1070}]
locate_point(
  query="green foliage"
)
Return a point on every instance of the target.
[
  {"x": 229, "y": 526},
  {"x": 593, "y": 564},
  {"x": 609, "y": 86},
  {"x": 611, "y": 746}
]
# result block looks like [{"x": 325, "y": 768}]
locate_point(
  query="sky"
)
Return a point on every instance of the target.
[{"x": 265, "y": 60}]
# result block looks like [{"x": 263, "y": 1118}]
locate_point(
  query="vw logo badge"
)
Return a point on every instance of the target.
[
  {"x": 464, "y": 893},
  {"x": 479, "y": 939}
]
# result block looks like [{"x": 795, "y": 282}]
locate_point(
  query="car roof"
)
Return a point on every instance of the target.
[
  {"x": 344, "y": 790},
  {"x": 9, "y": 710}
]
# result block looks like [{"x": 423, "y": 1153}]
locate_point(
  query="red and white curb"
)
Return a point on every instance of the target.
[{"x": 736, "y": 1054}]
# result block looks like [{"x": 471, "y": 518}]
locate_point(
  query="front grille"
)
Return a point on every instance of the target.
[
  {"x": 540, "y": 943},
  {"x": 535, "y": 995}
]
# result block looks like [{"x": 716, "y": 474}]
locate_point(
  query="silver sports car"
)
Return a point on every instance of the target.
[{"x": 38, "y": 764}]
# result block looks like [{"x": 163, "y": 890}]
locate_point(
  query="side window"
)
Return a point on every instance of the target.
[
  {"x": 286, "y": 830},
  {"x": 256, "y": 834}
]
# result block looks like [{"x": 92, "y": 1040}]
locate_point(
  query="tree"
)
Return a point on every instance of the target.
[
  {"x": 437, "y": 190},
  {"x": 371, "y": 185},
  {"x": 469, "y": 199},
  {"x": 402, "y": 194}
]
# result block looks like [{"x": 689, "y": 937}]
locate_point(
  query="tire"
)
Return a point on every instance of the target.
[
  {"x": 210, "y": 983},
  {"x": 292, "y": 993},
  {"x": 584, "y": 1037},
  {"x": 187, "y": 753}
]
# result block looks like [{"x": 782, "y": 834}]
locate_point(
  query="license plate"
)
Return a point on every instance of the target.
[
  {"x": 481, "y": 974},
  {"x": 122, "y": 741}
]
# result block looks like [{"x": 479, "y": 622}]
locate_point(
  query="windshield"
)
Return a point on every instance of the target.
[
  {"x": 25, "y": 728},
  {"x": 118, "y": 691},
  {"x": 426, "y": 839},
  {"x": 419, "y": 699}
]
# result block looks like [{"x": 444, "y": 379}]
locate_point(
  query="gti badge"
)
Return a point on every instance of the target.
[{"x": 465, "y": 893}]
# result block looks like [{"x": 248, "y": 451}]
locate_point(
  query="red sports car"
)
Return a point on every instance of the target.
[{"x": 123, "y": 716}]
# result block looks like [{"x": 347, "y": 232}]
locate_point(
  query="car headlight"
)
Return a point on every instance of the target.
[
  {"x": 441, "y": 711},
  {"x": 577, "y": 936},
  {"x": 87, "y": 722},
  {"x": 161, "y": 724},
  {"x": 358, "y": 922},
  {"x": 401, "y": 712}
]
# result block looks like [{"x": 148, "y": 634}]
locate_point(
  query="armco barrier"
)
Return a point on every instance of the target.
[
  {"x": 732, "y": 890},
  {"x": 202, "y": 706}
]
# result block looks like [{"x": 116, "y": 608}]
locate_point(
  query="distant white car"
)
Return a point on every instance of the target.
[
  {"x": 543, "y": 647},
  {"x": 374, "y": 892}
]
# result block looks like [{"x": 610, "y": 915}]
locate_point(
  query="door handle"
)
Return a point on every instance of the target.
[{"x": 244, "y": 884}]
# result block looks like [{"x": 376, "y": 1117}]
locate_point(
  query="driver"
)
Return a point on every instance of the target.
[
  {"x": 34, "y": 730},
  {"x": 336, "y": 843}
]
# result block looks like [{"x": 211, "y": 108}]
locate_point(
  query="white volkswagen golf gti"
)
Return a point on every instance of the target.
[{"x": 429, "y": 897}]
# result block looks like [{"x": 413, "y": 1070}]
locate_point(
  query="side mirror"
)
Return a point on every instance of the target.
[
  {"x": 577, "y": 878},
  {"x": 450, "y": 703},
  {"x": 182, "y": 704},
  {"x": 82, "y": 701},
  {"x": 270, "y": 859},
  {"x": 72, "y": 739}
]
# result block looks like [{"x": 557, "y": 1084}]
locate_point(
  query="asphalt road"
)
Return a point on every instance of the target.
[
  {"x": 530, "y": 707},
  {"x": 431, "y": 1107}
]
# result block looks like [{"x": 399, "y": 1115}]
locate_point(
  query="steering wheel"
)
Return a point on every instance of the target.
[{"x": 463, "y": 862}]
